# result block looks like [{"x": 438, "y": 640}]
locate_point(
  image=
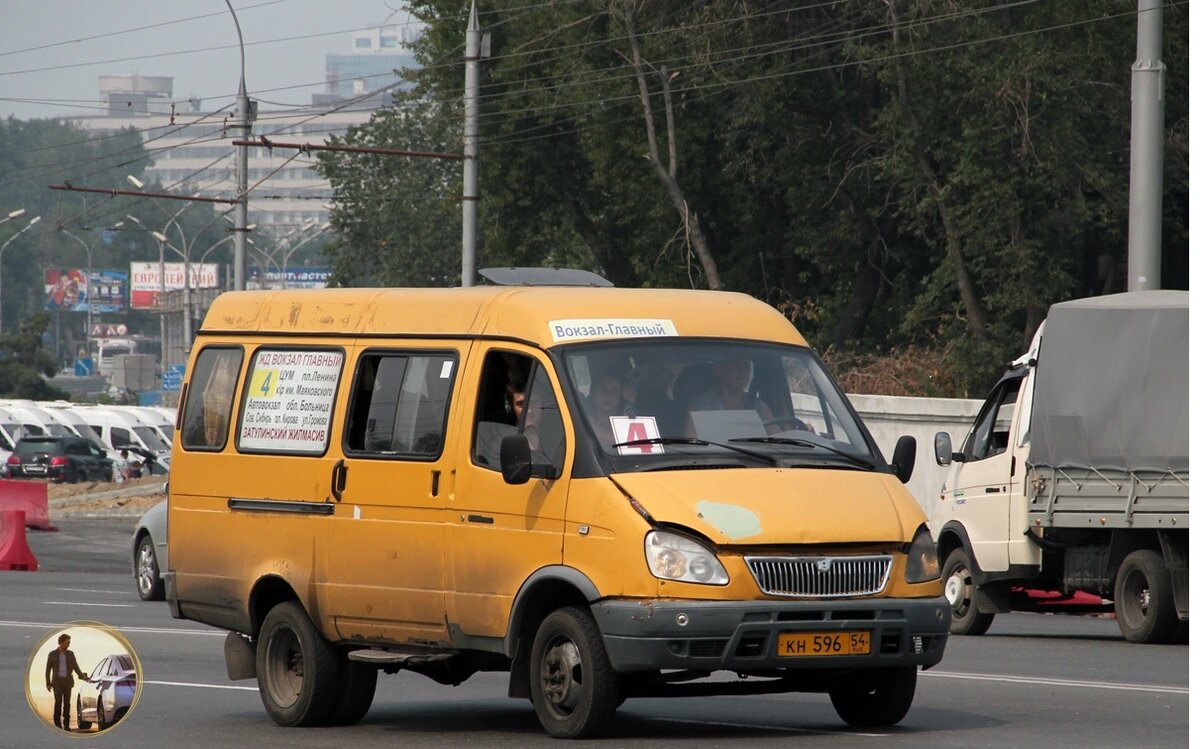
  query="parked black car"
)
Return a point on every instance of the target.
[{"x": 67, "y": 459}]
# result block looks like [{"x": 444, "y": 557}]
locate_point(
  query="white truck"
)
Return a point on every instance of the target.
[{"x": 1074, "y": 477}]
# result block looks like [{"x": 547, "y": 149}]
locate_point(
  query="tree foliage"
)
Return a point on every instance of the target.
[
  {"x": 35, "y": 154},
  {"x": 901, "y": 176},
  {"x": 25, "y": 364}
]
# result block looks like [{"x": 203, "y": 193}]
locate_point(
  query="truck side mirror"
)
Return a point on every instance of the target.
[
  {"x": 943, "y": 450},
  {"x": 904, "y": 457},
  {"x": 516, "y": 463}
]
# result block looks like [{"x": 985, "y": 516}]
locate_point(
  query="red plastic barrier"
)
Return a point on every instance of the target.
[
  {"x": 14, "y": 549},
  {"x": 29, "y": 496}
]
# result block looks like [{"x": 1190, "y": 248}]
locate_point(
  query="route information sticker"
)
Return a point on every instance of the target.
[
  {"x": 289, "y": 404},
  {"x": 590, "y": 328}
]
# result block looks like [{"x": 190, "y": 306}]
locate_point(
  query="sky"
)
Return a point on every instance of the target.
[{"x": 56, "y": 50}]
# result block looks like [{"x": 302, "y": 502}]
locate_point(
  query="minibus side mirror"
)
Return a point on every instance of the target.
[
  {"x": 516, "y": 463},
  {"x": 943, "y": 449},
  {"x": 904, "y": 458}
]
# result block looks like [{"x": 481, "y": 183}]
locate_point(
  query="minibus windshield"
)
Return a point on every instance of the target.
[{"x": 648, "y": 404}]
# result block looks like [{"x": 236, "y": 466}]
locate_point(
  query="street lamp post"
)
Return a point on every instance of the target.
[
  {"x": 185, "y": 253},
  {"x": 12, "y": 214},
  {"x": 90, "y": 288},
  {"x": 172, "y": 218},
  {"x": 242, "y": 163},
  {"x": 291, "y": 248},
  {"x": 15, "y": 214}
]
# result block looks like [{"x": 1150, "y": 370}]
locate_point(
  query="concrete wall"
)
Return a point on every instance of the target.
[{"x": 889, "y": 417}]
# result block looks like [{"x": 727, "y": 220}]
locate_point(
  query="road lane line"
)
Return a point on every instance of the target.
[
  {"x": 140, "y": 630},
  {"x": 77, "y": 603},
  {"x": 92, "y": 590},
  {"x": 1120, "y": 686},
  {"x": 199, "y": 686}
]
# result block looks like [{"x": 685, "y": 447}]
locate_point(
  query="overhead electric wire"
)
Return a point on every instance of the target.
[{"x": 134, "y": 29}]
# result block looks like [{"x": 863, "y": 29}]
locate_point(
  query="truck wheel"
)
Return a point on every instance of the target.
[
  {"x": 876, "y": 697},
  {"x": 356, "y": 692},
  {"x": 574, "y": 688},
  {"x": 1143, "y": 598},
  {"x": 958, "y": 584},
  {"x": 297, "y": 668}
]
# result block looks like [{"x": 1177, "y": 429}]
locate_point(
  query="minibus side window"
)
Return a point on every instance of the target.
[
  {"x": 515, "y": 397},
  {"x": 120, "y": 438},
  {"x": 400, "y": 404},
  {"x": 210, "y": 399}
]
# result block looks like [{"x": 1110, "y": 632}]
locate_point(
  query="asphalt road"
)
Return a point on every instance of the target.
[{"x": 1034, "y": 680}]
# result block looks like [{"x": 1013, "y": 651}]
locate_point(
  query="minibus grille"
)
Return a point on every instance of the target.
[{"x": 821, "y": 577}]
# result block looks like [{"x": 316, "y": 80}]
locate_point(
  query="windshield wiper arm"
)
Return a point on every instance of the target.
[
  {"x": 696, "y": 441},
  {"x": 808, "y": 443}
]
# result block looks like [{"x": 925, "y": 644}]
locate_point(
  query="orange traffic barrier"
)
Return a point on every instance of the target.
[
  {"x": 14, "y": 549},
  {"x": 29, "y": 496}
]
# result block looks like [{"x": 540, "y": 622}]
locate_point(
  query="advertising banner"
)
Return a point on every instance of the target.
[
  {"x": 66, "y": 289},
  {"x": 107, "y": 289},
  {"x": 258, "y": 277},
  {"x": 145, "y": 281}
]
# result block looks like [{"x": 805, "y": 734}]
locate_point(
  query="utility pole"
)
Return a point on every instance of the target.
[
  {"x": 470, "y": 199},
  {"x": 1148, "y": 89},
  {"x": 242, "y": 165},
  {"x": 239, "y": 214}
]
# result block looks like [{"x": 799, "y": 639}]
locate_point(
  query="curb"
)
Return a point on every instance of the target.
[
  {"x": 117, "y": 514},
  {"x": 133, "y": 491}
]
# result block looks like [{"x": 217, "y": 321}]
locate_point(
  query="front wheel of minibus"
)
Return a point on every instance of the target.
[
  {"x": 575, "y": 691},
  {"x": 297, "y": 668}
]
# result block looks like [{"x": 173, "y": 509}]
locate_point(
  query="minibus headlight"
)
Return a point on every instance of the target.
[
  {"x": 675, "y": 557},
  {"x": 922, "y": 563}
]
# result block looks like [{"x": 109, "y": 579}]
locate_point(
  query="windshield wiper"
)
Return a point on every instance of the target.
[
  {"x": 808, "y": 443},
  {"x": 696, "y": 441}
]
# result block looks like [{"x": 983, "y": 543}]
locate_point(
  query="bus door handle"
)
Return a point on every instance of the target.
[{"x": 338, "y": 481}]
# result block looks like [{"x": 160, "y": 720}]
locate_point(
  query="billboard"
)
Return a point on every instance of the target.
[
  {"x": 303, "y": 277},
  {"x": 68, "y": 289},
  {"x": 145, "y": 281}
]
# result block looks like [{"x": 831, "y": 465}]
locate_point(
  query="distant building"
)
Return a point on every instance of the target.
[
  {"x": 191, "y": 148},
  {"x": 371, "y": 64}
]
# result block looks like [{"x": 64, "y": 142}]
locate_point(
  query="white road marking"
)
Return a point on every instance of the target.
[
  {"x": 90, "y": 590},
  {"x": 1008, "y": 679},
  {"x": 199, "y": 686},
  {"x": 77, "y": 603},
  {"x": 140, "y": 630}
]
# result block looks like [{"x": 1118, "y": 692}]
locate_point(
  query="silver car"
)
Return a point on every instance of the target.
[
  {"x": 108, "y": 693},
  {"x": 150, "y": 552}
]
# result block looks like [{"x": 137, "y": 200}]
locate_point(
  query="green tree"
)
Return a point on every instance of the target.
[
  {"x": 913, "y": 180},
  {"x": 397, "y": 218},
  {"x": 25, "y": 364}
]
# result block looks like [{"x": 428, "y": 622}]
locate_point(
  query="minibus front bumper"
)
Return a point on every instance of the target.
[{"x": 755, "y": 636}]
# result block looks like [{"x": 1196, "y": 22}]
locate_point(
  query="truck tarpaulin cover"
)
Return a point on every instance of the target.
[{"x": 1112, "y": 384}]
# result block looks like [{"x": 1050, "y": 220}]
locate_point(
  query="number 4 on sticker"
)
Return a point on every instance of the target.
[
  {"x": 263, "y": 383},
  {"x": 633, "y": 429}
]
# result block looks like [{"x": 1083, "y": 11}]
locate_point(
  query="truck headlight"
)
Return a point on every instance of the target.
[
  {"x": 922, "y": 565},
  {"x": 675, "y": 557}
]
